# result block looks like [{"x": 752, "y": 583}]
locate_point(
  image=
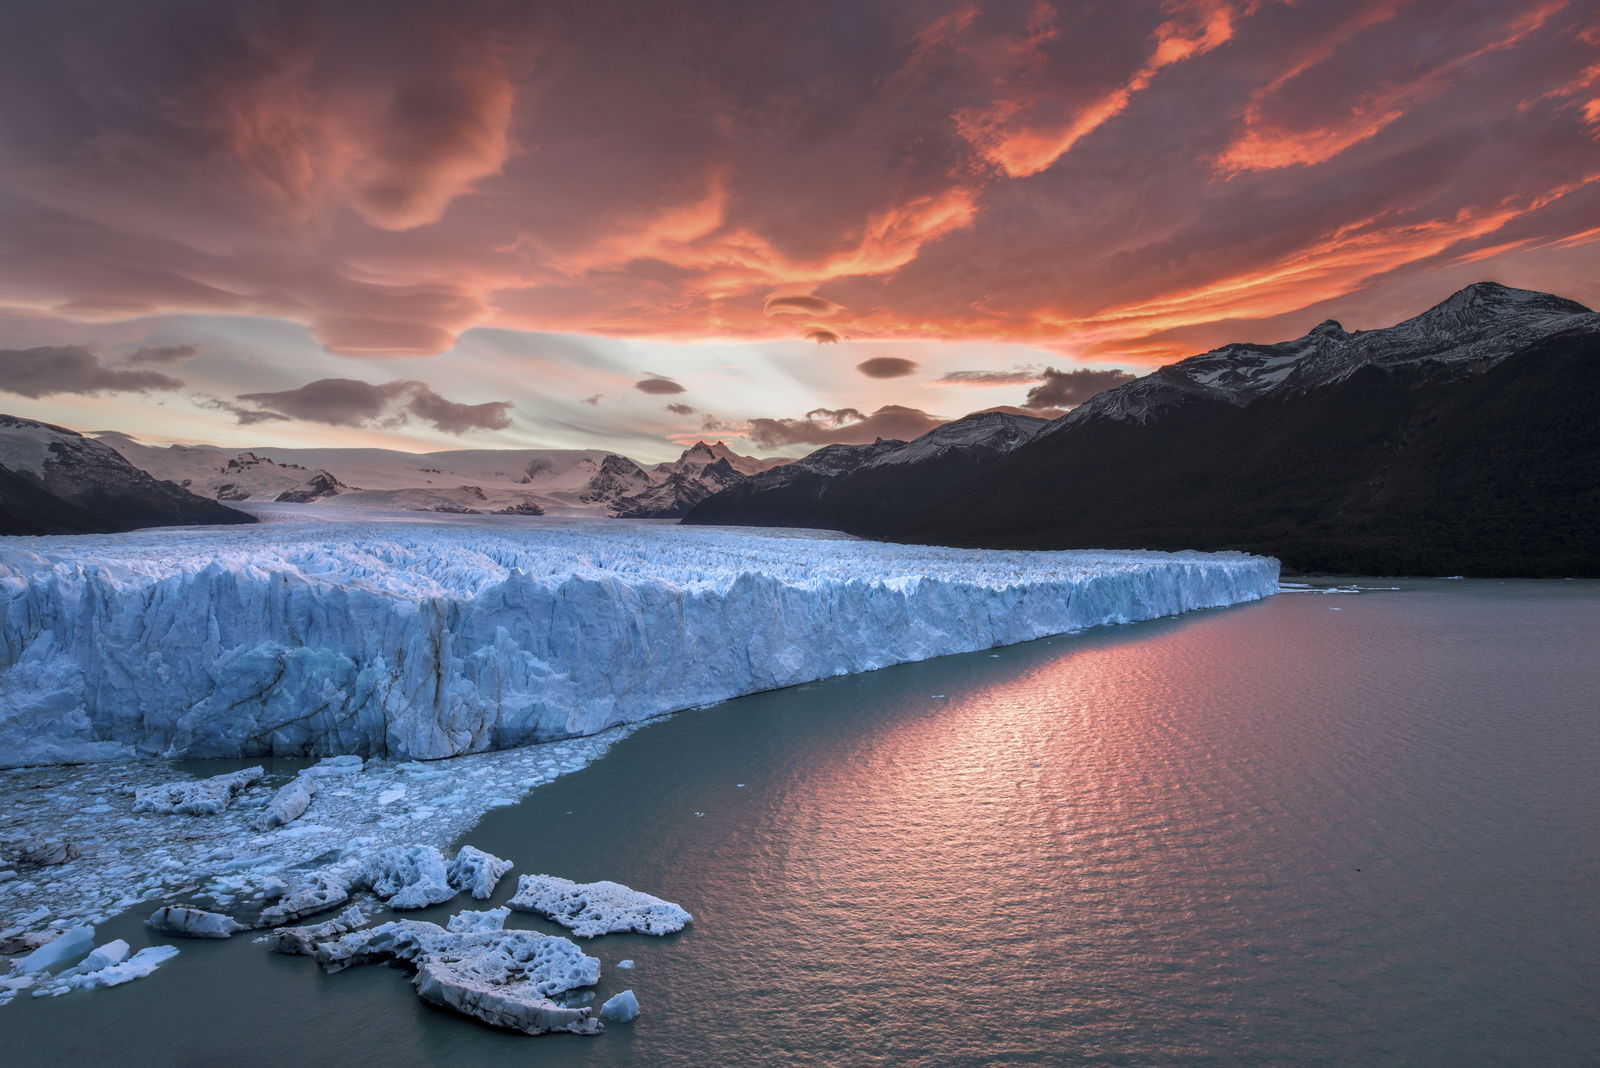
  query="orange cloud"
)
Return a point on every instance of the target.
[
  {"x": 436, "y": 134},
  {"x": 1198, "y": 26},
  {"x": 1333, "y": 266},
  {"x": 1266, "y": 145}
]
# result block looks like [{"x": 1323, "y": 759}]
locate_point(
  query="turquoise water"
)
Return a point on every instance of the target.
[{"x": 1273, "y": 834}]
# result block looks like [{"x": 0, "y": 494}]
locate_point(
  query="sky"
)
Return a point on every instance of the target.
[{"x": 596, "y": 224}]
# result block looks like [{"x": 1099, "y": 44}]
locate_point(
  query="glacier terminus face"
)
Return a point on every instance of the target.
[{"x": 429, "y": 638}]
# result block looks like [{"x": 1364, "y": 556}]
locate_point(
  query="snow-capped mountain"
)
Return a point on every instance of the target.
[
  {"x": 680, "y": 491},
  {"x": 500, "y": 481},
  {"x": 1460, "y": 441},
  {"x": 996, "y": 432},
  {"x": 847, "y": 480},
  {"x": 1470, "y": 332},
  {"x": 675, "y": 487},
  {"x": 701, "y": 454},
  {"x": 56, "y": 481},
  {"x": 617, "y": 477}
]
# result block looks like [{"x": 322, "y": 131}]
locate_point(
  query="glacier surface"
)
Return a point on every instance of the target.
[{"x": 430, "y": 638}]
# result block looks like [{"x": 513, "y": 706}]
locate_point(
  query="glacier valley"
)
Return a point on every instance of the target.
[{"x": 412, "y": 638}]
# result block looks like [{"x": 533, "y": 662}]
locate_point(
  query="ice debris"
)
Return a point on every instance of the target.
[
  {"x": 335, "y": 767},
  {"x": 288, "y": 804},
  {"x": 591, "y": 909},
  {"x": 504, "y": 978},
  {"x": 220, "y": 861},
  {"x": 202, "y": 797},
  {"x": 188, "y": 921},
  {"x": 620, "y": 1008},
  {"x": 47, "y": 852}
]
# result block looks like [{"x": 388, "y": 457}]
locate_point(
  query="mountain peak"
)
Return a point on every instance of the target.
[
  {"x": 1485, "y": 300},
  {"x": 1329, "y": 328}
]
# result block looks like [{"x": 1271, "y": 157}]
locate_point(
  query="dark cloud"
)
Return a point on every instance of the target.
[
  {"x": 454, "y": 418},
  {"x": 658, "y": 385},
  {"x": 351, "y": 402},
  {"x": 336, "y": 401},
  {"x": 804, "y": 304},
  {"x": 593, "y": 399},
  {"x": 243, "y": 414},
  {"x": 163, "y": 354},
  {"x": 836, "y": 426},
  {"x": 52, "y": 369},
  {"x": 680, "y": 409},
  {"x": 822, "y": 336},
  {"x": 887, "y": 367},
  {"x": 1063, "y": 389},
  {"x": 1018, "y": 377}
]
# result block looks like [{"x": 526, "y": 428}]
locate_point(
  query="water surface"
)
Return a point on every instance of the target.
[{"x": 1317, "y": 830}]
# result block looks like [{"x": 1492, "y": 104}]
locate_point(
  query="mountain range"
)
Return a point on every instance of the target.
[
  {"x": 499, "y": 481},
  {"x": 1461, "y": 441},
  {"x": 55, "y": 480}
]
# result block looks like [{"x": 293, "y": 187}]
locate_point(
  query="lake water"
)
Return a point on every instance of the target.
[{"x": 1277, "y": 834}]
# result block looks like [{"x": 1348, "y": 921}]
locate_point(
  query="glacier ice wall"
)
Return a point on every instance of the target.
[{"x": 429, "y": 638}]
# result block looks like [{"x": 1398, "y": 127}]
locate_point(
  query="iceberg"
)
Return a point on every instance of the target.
[
  {"x": 591, "y": 909},
  {"x": 504, "y": 978},
  {"x": 423, "y": 639},
  {"x": 71, "y": 945},
  {"x": 407, "y": 877},
  {"x": 475, "y": 872},
  {"x": 191, "y": 922},
  {"x": 620, "y": 1008}
]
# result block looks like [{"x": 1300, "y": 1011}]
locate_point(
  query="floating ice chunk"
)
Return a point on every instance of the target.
[
  {"x": 190, "y": 922},
  {"x": 203, "y": 797},
  {"x": 620, "y": 1008},
  {"x": 328, "y": 892},
  {"x": 334, "y": 766},
  {"x": 477, "y": 872},
  {"x": 301, "y": 941},
  {"x": 407, "y": 877},
  {"x": 114, "y": 952},
  {"x": 625, "y": 964},
  {"x": 83, "y": 977},
  {"x": 389, "y": 797},
  {"x": 591, "y": 909},
  {"x": 288, "y": 804},
  {"x": 487, "y": 920},
  {"x": 504, "y": 978},
  {"x": 137, "y": 966},
  {"x": 70, "y": 946}
]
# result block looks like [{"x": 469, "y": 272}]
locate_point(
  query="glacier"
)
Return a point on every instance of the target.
[{"x": 428, "y": 638}]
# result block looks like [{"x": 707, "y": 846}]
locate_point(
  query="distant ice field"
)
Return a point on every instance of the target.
[{"x": 425, "y": 637}]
